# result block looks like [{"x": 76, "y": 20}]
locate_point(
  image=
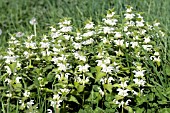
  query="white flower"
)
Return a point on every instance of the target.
[
  {"x": 30, "y": 103},
  {"x": 87, "y": 42},
  {"x": 139, "y": 73},
  {"x": 107, "y": 61},
  {"x": 88, "y": 34},
  {"x": 31, "y": 45},
  {"x": 129, "y": 16},
  {"x": 101, "y": 92},
  {"x": 128, "y": 10},
  {"x": 83, "y": 58},
  {"x": 123, "y": 84},
  {"x": 139, "y": 82},
  {"x": 139, "y": 23},
  {"x": 123, "y": 92},
  {"x": 19, "y": 34},
  {"x": 66, "y": 22},
  {"x": 10, "y": 59},
  {"x": 45, "y": 44},
  {"x": 125, "y": 28},
  {"x": 156, "y": 53},
  {"x": 89, "y": 25},
  {"x": 62, "y": 67},
  {"x": 33, "y": 21},
  {"x": 18, "y": 65},
  {"x": 155, "y": 59},
  {"x": 40, "y": 78},
  {"x": 147, "y": 47},
  {"x": 127, "y": 102},
  {"x": 64, "y": 90},
  {"x": 17, "y": 79},
  {"x": 55, "y": 34},
  {"x": 55, "y": 60},
  {"x": 156, "y": 24},
  {"x": 8, "y": 69},
  {"x": 107, "y": 69},
  {"x": 100, "y": 63},
  {"x": 110, "y": 15},
  {"x": 111, "y": 22},
  {"x": 103, "y": 80},
  {"x": 62, "y": 58},
  {"x": 7, "y": 80},
  {"x": 83, "y": 68},
  {"x": 130, "y": 23},
  {"x": 66, "y": 29},
  {"x": 134, "y": 44},
  {"x": 118, "y": 35},
  {"x": 53, "y": 29},
  {"x": 26, "y": 94},
  {"x": 105, "y": 40},
  {"x": 56, "y": 97},
  {"x": 119, "y": 42},
  {"x": 147, "y": 39},
  {"x": 77, "y": 45},
  {"x": 9, "y": 94},
  {"x": 67, "y": 37},
  {"x": 134, "y": 92},
  {"x": 108, "y": 30},
  {"x": 110, "y": 79},
  {"x": 49, "y": 111},
  {"x": 55, "y": 104}
]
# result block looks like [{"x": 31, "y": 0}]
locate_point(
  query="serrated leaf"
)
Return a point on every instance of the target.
[
  {"x": 98, "y": 69},
  {"x": 118, "y": 97},
  {"x": 90, "y": 75},
  {"x": 129, "y": 109},
  {"x": 99, "y": 75},
  {"x": 99, "y": 110},
  {"x": 108, "y": 87},
  {"x": 73, "y": 99},
  {"x": 13, "y": 66},
  {"x": 50, "y": 77},
  {"x": 116, "y": 85},
  {"x": 80, "y": 88}
]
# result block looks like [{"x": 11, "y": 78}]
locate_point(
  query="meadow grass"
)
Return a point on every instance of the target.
[{"x": 15, "y": 14}]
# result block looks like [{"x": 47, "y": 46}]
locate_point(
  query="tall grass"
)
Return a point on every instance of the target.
[{"x": 15, "y": 14}]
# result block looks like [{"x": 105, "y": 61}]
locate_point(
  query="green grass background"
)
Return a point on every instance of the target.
[{"x": 15, "y": 14}]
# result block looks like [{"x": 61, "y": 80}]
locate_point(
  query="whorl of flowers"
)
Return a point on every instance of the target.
[{"x": 106, "y": 59}]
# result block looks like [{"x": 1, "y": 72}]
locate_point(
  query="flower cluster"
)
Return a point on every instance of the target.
[{"x": 62, "y": 67}]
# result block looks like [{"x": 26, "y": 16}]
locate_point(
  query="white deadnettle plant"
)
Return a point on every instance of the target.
[{"x": 64, "y": 66}]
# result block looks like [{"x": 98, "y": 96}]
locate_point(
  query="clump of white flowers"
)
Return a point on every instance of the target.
[{"x": 64, "y": 65}]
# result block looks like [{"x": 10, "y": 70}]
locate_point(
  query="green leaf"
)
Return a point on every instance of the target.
[
  {"x": 98, "y": 69},
  {"x": 73, "y": 99},
  {"x": 50, "y": 77},
  {"x": 90, "y": 75},
  {"x": 164, "y": 110},
  {"x": 80, "y": 88},
  {"x": 167, "y": 70},
  {"x": 116, "y": 85},
  {"x": 108, "y": 87},
  {"x": 13, "y": 66},
  {"x": 129, "y": 109},
  {"x": 139, "y": 110},
  {"x": 99, "y": 110},
  {"x": 118, "y": 97},
  {"x": 99, "y": 75}
]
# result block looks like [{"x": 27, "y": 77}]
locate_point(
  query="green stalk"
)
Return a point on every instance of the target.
[{"x": 35, "y": 32}]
